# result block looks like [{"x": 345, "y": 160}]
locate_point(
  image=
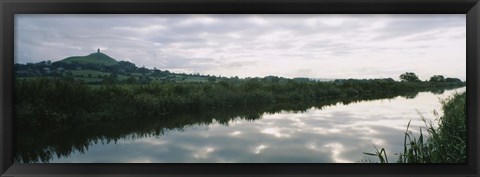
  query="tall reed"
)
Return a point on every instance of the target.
[{"x": 445, "y": 144}]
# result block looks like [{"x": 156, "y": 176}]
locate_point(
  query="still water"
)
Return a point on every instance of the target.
[{"x": 338, "y": 133}]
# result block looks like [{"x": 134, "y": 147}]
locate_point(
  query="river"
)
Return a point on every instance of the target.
[{"x": 336, "y": 133}]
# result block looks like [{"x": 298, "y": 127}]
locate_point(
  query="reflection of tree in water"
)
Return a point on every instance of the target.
[
  {"x": 43, "y": 144},
  {"x": 410, "y": 95},
  {"x": 438, "y": 91}
]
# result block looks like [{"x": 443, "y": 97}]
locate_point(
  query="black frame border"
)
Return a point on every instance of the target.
[{"x": 11, "y": 7}]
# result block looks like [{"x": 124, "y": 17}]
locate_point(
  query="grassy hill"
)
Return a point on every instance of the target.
[
  {"x": 98, "y": 67},
  {"x": 94, "y": 58}
]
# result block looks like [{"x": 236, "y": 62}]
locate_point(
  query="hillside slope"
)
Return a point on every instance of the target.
[{"x": 94, "y": 58}]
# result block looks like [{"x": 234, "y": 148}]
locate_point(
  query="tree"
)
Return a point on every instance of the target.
[
  {"x": 131, "y": 80},
  {"x": 437, "y": 78},
  {"x": 409, "y": 77},
  {"x": 112, "y": 79},
  {"x": 127, "y": 66},
  {"x": 145, "y": 80},
  {"x": 449, "y": 79},
  {"x": 143, "y": 70},
  {"x": 211, "y": 79},
  {"x": 69, "y": 74}
]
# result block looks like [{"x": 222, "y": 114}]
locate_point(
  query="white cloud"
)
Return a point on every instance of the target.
[
  {"x": 258, "y": 20},
  {"x": 198, "y": 20},
  {"x": 142, "y": 30}
]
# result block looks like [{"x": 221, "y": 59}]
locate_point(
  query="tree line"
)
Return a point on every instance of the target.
[{"x": 412, "y": 77}]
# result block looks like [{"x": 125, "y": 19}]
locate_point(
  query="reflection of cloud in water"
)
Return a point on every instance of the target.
[
  {"x": 338, "y": 133},
  {"x": 235, "y": 133},
  {"x": 336, "y": 149},
  {"x": 203, "y": 152},
  {"x": 259, "y": 149},
  {"x": 275, "y": 131}
]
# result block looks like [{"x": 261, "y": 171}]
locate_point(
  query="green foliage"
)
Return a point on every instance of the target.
[
  {"x": 409, "y": 77},
  {"x": 437, "y": 78},
  {"x": 110, "y": 80},
  {"x": 131, "y": 80},
  {"x": 449, "y": 79},
  {"x": 450, "y": 137},
  {"x": 40, "y": 96},
  {"x": 380, "y": 154},
  {"x": 88, "y": 72},
  {"x": 415, "y": 151}
]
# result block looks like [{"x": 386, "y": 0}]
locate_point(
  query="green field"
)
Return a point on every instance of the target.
[{"x": 86, "y": 73}]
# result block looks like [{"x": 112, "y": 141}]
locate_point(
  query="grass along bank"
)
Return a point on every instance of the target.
[
  {"x": 444, "y": 144},
  {"x": 46, "y": 102}
]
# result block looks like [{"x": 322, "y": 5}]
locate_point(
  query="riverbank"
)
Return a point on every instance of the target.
[
  {"x": 60, "y": 103},
  {"x": 445, "y": 143}
]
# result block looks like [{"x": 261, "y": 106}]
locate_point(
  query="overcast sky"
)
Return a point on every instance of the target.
[{"x": 317, "y": 46}]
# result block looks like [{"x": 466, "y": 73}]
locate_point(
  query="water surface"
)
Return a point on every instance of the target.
[{"x": 336, "y": 133}]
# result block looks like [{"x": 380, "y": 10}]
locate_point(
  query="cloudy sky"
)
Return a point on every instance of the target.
[{"x": 317, "y": 46}]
